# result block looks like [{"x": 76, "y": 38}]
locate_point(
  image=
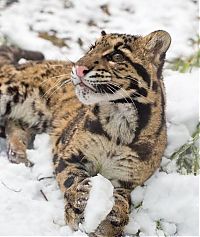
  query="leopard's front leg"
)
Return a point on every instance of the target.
[
  {"x": 117, "y": 219},
  {"x": 73, "y": 179}
]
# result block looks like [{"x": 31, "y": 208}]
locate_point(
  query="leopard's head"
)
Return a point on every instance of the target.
[{"x": 120, "y": 67}]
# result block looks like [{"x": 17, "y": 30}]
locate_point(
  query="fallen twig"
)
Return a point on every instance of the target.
[
  {"x": 17, "y": 191},
  {"x": 48, "y": 177},
  {"x": 44, "y": 195}
]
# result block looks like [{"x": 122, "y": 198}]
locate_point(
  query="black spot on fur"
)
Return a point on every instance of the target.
[
  {"x": 118, "y": 141},
  {"x": 141, "y": 91},
  {"x": 33, "y": 106},
  {"x": 12, "y": 90},
  {"x": 61, "y": 166},
  {"x": 8, "y": 82},
  {"x": 40, "y": 114},
  {"x": 125, "y": 184},
  {"x": 71, "y": 127},
  {"x": 141, "y": 71},
  {"x": 159, "y": 71},
  {"x": 155, "y": 86},
  {"x": 94, "y": 126},
  {"x": 126, "y": 46},
  {"x": 16, "y": 98},
  {"x": 46, "y": 124},
  {"x": 95, "y": 110},
  {"x": 41, "y": 91},
  {"x": 144, "y": 114},
  {"x": 118, "y": 45},
  {"x": 8, "y": 108},
  {"x": 143, "y": 150},
  {"x": 69, "y": 181},
  {"x": 26, "y": 85},
  {"x": 163, "y": 121},
  {"x": 2, "y": 132},
  {"x": 77, "y": 210},
  {"x": 55, "y": 158},
  {"x": 107, "y": 119},
  {"x": 75, "y": 158}
]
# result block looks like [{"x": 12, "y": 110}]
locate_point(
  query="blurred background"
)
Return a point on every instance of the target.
[{"x": 66, "y": 28}]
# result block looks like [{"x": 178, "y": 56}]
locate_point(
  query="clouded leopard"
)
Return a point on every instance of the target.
[{"x": 105, "y": 114}]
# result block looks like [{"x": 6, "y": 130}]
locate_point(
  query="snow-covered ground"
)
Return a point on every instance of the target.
[{"x": 168, "y": 202}]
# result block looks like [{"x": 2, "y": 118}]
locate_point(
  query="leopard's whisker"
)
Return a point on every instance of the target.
[
  {"x": 134, "y": 92},
  {"x": 50, "y": 78},
  {"x": 51, "y": 88},
  {"x": 140, "y": 95},
  {"x": 55, "y": 84},
  {"x": 65, "y": 82},
  {"x": 122, "y": 90},
  {"x": 106, "y": 94},
  {"x": 123, "y": 95}
]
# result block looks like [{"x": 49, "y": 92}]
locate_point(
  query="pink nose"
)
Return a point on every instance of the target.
[{"x": 81, "y": 71}]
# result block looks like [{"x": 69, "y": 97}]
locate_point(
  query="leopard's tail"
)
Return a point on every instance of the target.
[{"x": 12, "y": 54}]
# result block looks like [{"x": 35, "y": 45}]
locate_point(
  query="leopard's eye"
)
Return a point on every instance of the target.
[{"x": 117, "y": 57}]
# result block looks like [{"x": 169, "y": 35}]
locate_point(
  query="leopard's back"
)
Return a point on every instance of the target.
[{"x": 36, "y": 92}]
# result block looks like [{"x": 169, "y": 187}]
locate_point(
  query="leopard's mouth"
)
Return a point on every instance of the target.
[{"x": 84, "y": 85}]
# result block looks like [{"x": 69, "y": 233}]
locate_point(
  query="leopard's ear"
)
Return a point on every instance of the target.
[
  {"x": 103, "y": 33},
  {"x": 157, "y": 44}
]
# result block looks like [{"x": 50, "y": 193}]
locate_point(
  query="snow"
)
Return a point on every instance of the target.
[
  {"x": 167, "y": 204},
  {"x": 133, "y": 17},
  {"x": 182, "y": 91},
  {"x": 24, "y": 210},
  {"x": 102, "y": 194},
  {"x": 171, "y": 199}
]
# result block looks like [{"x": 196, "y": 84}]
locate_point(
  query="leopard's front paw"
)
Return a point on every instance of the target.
[
  {"x": 82, "y": 196},
  {"x": 76, "y": 199},
  {"x": 118, "y": 217}
]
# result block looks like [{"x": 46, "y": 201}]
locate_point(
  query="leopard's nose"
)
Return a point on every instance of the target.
[{"x": 81, "y": 71}]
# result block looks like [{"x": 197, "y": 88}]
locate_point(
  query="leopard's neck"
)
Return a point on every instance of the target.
[{"x": 119, "y": 121}]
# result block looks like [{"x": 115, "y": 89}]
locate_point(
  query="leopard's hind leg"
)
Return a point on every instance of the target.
[
  {"x": 12, "y": 54},
  {"x": 20, "y": 103},
  {"x": 18, "y": 139}
]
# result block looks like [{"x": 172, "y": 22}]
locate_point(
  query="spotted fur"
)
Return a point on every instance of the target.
[{"x": 113, "y": 123}]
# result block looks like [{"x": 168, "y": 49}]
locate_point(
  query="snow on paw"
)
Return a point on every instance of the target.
[{"x": 99, "y": 204}]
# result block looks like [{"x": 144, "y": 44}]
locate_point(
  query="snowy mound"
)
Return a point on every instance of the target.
[
  {"x": 170, "y": 201},
  {"x": 99, "y": 204}
]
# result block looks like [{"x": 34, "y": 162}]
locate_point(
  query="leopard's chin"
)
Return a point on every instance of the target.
[
  {"x": 84, "y": 94},
  {"x": 88, "y": 97}
]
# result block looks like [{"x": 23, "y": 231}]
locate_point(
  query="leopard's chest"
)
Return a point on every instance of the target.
[
  {"x": 107, "y": 158},
  {"x": 104, "y": 142}
]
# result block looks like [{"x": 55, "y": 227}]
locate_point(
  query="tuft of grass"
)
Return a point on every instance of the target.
[
  {"x": 188, "y": 157},
  {"x": 4, "y": 40},
  {"x": 188, "y": 63},
  {"x": 59, "y": 42}
]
